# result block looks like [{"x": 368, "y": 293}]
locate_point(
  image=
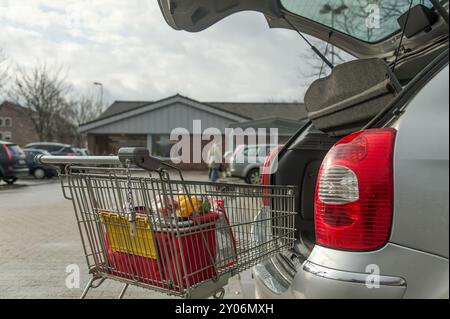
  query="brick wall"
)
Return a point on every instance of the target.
[{"x": 21, "y": 128}]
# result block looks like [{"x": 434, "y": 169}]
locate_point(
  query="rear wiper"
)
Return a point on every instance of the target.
[{"x": 321, "y": 56}]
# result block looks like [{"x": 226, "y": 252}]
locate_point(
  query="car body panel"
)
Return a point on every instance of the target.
[
  {"x": 53, "y": 148},
  {"x": 244, "y": 166},
  {"x": 422, "y": 147},
  {"x": 81, "y": 151},
  {"x": 241, "y": 170},
  {"x": 32, "y": 165}
]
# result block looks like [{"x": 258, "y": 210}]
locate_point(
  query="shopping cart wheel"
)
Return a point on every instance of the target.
[{"x": 219, "y": 294}]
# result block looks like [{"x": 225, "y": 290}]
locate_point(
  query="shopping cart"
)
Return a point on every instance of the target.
[{"x": 142, "y": 224}]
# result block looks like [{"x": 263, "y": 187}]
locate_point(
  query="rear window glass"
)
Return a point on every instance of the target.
[
  {"x": 15, "y": 150},
  {"x": 30, "y": 155},
  {"x": 50, "y": 148},
  {"x": 369, "y": 21}
]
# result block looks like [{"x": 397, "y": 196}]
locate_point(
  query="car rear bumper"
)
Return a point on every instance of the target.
[
  {"x": 318, "y": 282},
  {"x": 392, "y": 272},
  {"x": 322, "y": 282},
  {"x": 17, "y": 172}
]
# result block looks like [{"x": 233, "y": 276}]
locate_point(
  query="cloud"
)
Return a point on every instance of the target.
[{"x": 128, "y": 47}]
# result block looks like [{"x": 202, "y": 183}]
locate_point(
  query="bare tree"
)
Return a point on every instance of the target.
[
  {"x": 312, "y": 67},
  {"x": 85, "y": 109},
  {"x": 349, "y": 17},
  {"x": 4, "y": 71},
  {"x": 45, "y": 95},
  {"x": 352, "y": 20}
]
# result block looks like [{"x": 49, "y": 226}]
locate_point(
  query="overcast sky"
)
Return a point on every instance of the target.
[{"x": 128, "y": 47}]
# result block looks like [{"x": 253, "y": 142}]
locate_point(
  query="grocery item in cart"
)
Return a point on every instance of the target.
[
  {"x": 164, "y": 205},
  {"x": 190, "y": 205}
]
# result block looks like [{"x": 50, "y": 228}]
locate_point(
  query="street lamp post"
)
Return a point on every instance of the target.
[
  {"x": 327, "y": 8},
  {"x": 101, "y": 91}
]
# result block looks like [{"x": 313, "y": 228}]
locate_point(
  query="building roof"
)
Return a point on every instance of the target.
[
  {"x": 250, "y": 111},
  {"x": 120, "y": 107},
  {"x": 11, "y": 104},
  {"x": 262, "y": 110}
]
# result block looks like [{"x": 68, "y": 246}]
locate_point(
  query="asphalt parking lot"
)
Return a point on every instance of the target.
[{"x": 39, "y": 239}]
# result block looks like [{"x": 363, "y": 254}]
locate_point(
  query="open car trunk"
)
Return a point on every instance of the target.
[
  {"x": 355, "y": 92},
  {"x": 299, "y": 164},
  {"x": 346, "y": 107},
  {"x": 339, "y": 104}
]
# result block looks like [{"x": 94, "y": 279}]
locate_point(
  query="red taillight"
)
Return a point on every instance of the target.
[
  {"x": 8, "y": 152},
  {"x": 269, "y": 167},
  {"x": 354, "y": 194}
]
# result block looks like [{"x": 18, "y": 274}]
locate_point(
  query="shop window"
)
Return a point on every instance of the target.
[
  {"x": 6, "y": 136},
  {"x": 161, "y": 145}
]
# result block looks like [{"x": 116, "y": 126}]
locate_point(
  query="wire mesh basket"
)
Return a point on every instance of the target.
[{"x": 153, "y": 229}]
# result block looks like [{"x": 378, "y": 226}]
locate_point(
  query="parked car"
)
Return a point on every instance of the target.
[
  {"x": 372, "y": 166},
  {"x": 57, "y": 149},
  {"x": 81, "y": 151},
  {"x": 37, "y": 170},
  {"x": 12, "y": 162},
  {"x": 247, "y": 161}
]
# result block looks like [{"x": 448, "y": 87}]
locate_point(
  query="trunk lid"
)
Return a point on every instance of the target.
[
  {"x": 362, "y": 28},
  {"x": 197, "y": 15}
]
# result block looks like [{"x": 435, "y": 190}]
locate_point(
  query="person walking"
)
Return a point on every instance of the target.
[{"x": 214, "y": 162}]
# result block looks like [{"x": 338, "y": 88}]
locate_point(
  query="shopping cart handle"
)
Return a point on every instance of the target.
[{"x": 140, "y": 157}]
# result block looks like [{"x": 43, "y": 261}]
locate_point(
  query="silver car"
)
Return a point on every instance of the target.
[
  {"x": 372, "y": 166},
  {"x": 247, "y": 161},
  {"x": 81, "y": 151}
]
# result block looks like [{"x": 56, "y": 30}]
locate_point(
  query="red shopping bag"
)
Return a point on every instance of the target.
[{"x": 185, "y": 257}]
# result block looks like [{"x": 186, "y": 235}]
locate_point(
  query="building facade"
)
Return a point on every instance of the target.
[
  {"x": 16, "y": 125},
  {"x": 160, "y": 125}
]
